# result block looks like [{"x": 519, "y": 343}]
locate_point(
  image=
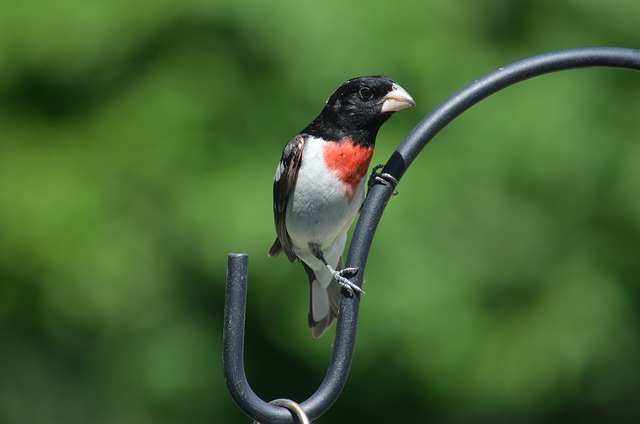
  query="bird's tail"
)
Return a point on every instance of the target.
[{"x": 324, "y": 301}]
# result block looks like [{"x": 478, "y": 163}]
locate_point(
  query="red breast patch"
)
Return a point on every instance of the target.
[{"x": 349, "y": 161}]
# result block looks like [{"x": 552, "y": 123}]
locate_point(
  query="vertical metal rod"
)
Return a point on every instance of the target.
[{"x": 233, "y": 346}]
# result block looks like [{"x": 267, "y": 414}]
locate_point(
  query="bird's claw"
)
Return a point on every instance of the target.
[
  {"x": 345, "y": 282},
  {"x": 383, "y": 178},
  {"x": 338, "y": 275}
]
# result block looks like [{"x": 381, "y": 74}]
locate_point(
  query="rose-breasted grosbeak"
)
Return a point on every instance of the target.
[{"x": 319, "y": 187}]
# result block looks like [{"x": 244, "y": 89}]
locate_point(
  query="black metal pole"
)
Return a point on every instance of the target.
[
  {"x": 375, "y": 203},
  {"x": 506, "y": 76}
]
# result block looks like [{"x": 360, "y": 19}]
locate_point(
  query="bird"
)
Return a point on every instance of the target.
[{"x": 319, "y": 187}]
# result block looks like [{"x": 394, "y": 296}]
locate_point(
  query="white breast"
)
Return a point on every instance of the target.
[{"x": 318, "y": 210}]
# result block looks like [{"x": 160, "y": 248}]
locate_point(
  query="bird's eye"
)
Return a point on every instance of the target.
[{"x": 365, "y": 93}]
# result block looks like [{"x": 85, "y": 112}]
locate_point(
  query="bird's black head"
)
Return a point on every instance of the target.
[{"x": 358, "y": 108}]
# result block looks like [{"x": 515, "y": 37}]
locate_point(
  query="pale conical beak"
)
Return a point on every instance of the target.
[{"x": 397, "y": 99}]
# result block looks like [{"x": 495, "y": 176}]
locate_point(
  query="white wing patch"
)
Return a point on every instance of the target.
[{"x": 279, "y": 171}]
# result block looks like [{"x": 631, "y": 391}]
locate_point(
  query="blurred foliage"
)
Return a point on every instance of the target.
[{"x": 138, "y": 141}]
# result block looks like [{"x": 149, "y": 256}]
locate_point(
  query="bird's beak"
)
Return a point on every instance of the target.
[{"x": 397, "y": 99}]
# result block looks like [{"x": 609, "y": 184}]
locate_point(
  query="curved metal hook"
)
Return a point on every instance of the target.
[{"x": 375, "y": 203}]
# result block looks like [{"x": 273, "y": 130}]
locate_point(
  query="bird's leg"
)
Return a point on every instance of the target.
[{"x": 338, "y": 275}]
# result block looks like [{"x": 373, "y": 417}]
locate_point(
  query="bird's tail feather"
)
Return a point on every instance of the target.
[{"x": 323, "y": 303}]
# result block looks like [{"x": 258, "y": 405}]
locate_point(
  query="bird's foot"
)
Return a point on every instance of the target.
[
  {"x": 339, "y": 276},
  {"x": 382, "y": 178}
]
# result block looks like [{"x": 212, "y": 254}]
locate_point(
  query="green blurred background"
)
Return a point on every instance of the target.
[{"x": 138, "y": 141}]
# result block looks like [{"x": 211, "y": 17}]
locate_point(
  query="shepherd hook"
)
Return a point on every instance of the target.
[{"x": 377, "y": 198}]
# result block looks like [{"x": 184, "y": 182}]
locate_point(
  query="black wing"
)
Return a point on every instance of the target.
[{"x": 283, "y": 184}]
